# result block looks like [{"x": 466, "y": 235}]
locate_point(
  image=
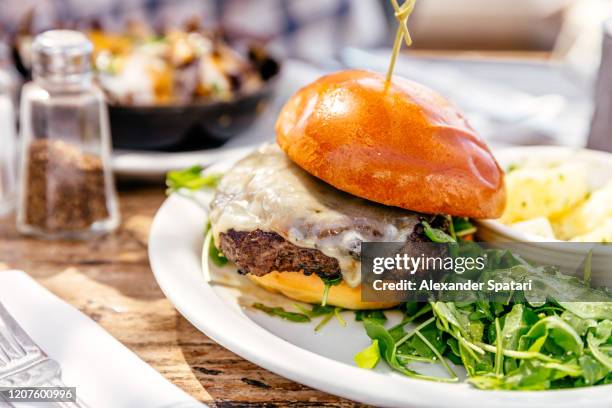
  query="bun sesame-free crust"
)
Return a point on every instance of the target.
[
  {"x": 405, "y": 146},
  {"x": 309, "y": 289}
]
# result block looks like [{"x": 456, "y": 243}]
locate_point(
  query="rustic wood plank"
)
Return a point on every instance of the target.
[{"x": 110, "y": 280}]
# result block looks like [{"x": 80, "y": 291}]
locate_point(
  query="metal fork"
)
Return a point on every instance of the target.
[{"x": 23, "y": 363}]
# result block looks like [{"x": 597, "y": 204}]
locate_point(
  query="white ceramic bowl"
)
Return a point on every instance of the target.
[{"x": 569, "y": 256}]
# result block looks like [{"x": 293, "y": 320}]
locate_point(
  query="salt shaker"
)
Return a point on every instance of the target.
[
  {"x": 7, "y": 139},
  {"x": 66, "y": 188}
]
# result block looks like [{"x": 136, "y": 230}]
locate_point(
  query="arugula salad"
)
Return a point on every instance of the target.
[{"x": 519, "y": 344}]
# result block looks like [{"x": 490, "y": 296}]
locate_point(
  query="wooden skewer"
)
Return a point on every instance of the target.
[{"x": 402, "y": 14}]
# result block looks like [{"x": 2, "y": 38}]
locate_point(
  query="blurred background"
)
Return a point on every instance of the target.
[
  {"x": 320, "y": 28},
  {"x": 524, "y": 71}
]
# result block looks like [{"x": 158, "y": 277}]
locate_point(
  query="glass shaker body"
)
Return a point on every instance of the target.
[
  {"x": 66, "y": 187},
  {"x": 8, "y": 150}
]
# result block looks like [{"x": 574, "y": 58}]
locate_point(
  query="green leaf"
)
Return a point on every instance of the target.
[
  {"x": 436, "y": 234},
  {"x": 191, "y": 179},
  {"x": 602, "y": 332},
  {"x": 452, "y": 317},
  {"x": 215, "y": 255},
  {"x": 375, "y": 315},
  {"x": 452, "y": 352},
  {"x": 386, "y": 344},
  {"x": 369, "y": 356},
  {"x": 282, "y": 313},
  {"x": 567, "y": 291},
  {"x": 437, "y": 353},
  {"x": 463, "y": 226},
  {"x": 600, "y": 335},
  {"x": 559, "y": 332},
  {"x": 499, "y": 352},
  {"x": 530, "y": 376},
  {"x": 326, "y": 319},
  {"x": 414, "y": 310},
  {"x": 338, "y": 316},
  {"x": 580, "y": 325},
  {"x": 425, "y": 342},
  {"x": 318, "y": 310},
  {"x": 388, "y": 350},
  {"x": 329, "y": 282},
  {"x": 592, "y": 370},
  {"x": 428, "y": 341},
  {"x": 516, "y": 324},
  {"x": 590, "y": 310}
]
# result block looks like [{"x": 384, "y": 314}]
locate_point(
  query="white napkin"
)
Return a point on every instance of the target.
[{"x": 105, "y": 373}]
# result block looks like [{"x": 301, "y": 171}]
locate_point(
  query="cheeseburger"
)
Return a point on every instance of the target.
[{"x": 355, "y": 161}]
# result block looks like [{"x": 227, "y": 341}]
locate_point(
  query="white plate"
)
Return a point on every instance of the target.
[{"x": 322, "y": 360}]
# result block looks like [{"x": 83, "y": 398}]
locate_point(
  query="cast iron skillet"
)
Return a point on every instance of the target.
[
  {"x": 197, "y": 125},
  {"x": 186, "y": 127}
]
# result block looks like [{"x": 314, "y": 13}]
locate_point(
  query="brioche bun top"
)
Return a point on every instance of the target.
[{"x": 405, "y": 146}]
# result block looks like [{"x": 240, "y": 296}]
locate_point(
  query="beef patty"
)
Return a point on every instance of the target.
[{"x": 260, "y": 252}]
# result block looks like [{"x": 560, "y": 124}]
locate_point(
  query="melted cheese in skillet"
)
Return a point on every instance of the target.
[{"x": 267, "y": 191}]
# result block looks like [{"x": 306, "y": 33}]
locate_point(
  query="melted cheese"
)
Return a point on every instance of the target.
[{"x": 267, "y": 191}]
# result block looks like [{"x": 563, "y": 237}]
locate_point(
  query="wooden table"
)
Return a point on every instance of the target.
[{"x": 110, "y": 280}]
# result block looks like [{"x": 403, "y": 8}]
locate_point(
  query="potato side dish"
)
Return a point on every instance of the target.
[
  {"x": 556, "y": 203},
  {"x": 142, "y": 66},
  {"x": 177, "y": 67}
]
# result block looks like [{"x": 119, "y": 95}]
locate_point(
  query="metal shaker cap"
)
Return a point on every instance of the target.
[{"x": 59, "y": 55}]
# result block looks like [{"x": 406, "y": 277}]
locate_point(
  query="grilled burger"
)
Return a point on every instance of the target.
[{"x": 354, "y": 162}]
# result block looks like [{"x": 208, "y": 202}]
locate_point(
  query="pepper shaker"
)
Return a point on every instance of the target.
[{"x": 66, "y": 189}]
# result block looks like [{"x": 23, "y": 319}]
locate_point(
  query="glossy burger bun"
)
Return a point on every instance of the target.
[
  {"x": 405, "y": 146},
  {"x": 309, "y": 289}
]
